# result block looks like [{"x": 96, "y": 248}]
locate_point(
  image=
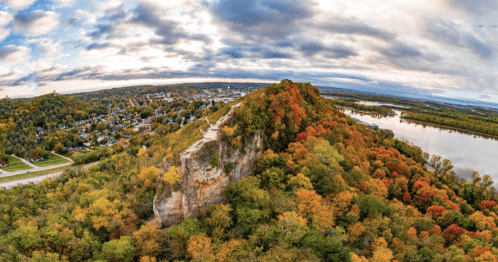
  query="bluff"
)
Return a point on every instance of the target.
[{"x": 206, "y": 168}]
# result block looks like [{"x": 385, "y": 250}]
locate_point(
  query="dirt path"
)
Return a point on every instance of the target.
[
  {"x": 210, "y": 135},
  {"x": 53, "y": 152}
]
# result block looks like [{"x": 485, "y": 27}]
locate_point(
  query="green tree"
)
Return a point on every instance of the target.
[{"x": 121, "y": 249}]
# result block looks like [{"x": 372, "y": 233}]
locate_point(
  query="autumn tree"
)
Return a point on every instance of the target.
[
  {"x": 148, "y": 240},
  {"x": 200, "y": 248}
]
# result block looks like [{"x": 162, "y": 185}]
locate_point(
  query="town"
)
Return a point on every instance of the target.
[{"x": 123, "y": 113}]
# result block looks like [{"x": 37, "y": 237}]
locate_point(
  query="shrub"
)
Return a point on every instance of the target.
[
  {"x": 229, "y": 167},
  {"x": 214, "y": 161}
]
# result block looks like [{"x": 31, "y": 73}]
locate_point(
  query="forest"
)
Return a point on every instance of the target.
[
  {"x": 456, "y": 119},
  {"x": 378, "y": 109},
  {"x": 325, "y": 189}
]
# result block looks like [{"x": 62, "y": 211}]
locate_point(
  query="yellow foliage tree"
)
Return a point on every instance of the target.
[
  {"x": 148, "y": 240},
  {"x": 377, "y": 188},
  {"x": 172, "y": 176},
  {"x": 381, "y": 253},
  {"x": 356, "y": 258},
  {"x": 226, "y": 251},
  {"x": 481, "y": 221},
  {"x": 485, "y": 236},
  {"x": 148, "y": 259},
  {"x": 229, "y": 131},
  {"x": 200, "y": 248},
  {"x": 310, "y": 206},
  {"x": 298, "y": 182},
  {"x": 149, "y": 176},
  {"x": 219, "y": 219},
  {"x": 342, "y": 203},
  {"x": 355, "y": 231}
]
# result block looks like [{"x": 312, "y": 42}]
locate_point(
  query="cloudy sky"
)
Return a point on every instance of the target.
[{"x": 445, "y": 48}]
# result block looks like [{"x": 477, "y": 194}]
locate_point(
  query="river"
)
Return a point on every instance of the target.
[{"x": 467, "y": 152}]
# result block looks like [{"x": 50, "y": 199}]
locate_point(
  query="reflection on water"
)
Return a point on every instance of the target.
[
  {"x": 467, "y": 152},
  {"x": 369, "y": 103}
]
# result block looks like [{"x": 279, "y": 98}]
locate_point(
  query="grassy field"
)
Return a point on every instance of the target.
[
  {"x": 15, "y": 165},
  {"x": 51, "y": 160},
  {"x": 70, "y": 156},
  {"x": 184, "y": 137},
  {"x": 213, "y": 118},
  {"x": 31, "y": 174}
]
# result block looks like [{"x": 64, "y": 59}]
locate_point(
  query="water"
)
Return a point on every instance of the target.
[
  {"x": 369, "y": 103},
  {"x": 467, "y": 152}
]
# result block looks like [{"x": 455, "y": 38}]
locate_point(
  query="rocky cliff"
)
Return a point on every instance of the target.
[{"x": 202, "y": 183}]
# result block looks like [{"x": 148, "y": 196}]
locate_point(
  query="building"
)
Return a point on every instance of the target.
[{"x": 373, "y": 126}]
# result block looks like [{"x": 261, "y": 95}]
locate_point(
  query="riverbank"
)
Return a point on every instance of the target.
[{"x": 450, "y": 128}]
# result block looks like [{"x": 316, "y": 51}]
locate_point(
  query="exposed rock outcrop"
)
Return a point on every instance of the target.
[{"x": 201, "y": 184}]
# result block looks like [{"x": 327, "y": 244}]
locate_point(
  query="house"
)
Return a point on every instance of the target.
[
  {"x": 373, "y": 126},
  {"x": 101, "y": 139},
  {"x": 87, "y": 144}
]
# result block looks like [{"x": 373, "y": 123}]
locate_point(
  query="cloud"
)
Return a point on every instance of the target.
[
  {"x": 4, "y": 33},
  {"x": 18, "y": 4},
  {"x": 77, "y": 19},
  {"x": 484, "y": 97},
  {"x": 245, "y": 50},
  {"x": 446, "y": 32},
  {"x": 476, "y": 7},
  {"x": 154, "y": 16},
  {"x": 478, "y": 47},
  {"x": 63, "y": 3},
  {"x": 48, "y": 47},
  {"x": 335, "y": 51},
  {"x": 13, "y": 54},
  {"x": 403, "y": 56},
  {"x": 35, "y": 23},
  {"x": 98, "y": 46},
  {"x": 5, "y": 18},
  {"x": 352, "y": 26},
  {"x": 102, "y": 29},
  {"x": 401, "y": 50},
  {"x": 262, "y": 18}
]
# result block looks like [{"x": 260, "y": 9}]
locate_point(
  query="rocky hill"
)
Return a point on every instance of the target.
[{"x": 203, "y": 182}]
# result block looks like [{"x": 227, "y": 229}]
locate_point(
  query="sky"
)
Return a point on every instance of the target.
[{"x": 424, "y": 48}]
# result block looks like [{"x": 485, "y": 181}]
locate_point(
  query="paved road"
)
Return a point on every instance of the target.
[
  {"x": 34, "y": 168},
  {"x": 37, "y": 179}
]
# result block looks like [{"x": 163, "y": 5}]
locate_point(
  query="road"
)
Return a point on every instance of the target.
[
  {"x": 34, "y": 168},
  {"x": 37, "y": 179}
]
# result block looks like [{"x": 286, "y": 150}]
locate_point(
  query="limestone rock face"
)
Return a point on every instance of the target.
[{"x": 202, "y": 185}]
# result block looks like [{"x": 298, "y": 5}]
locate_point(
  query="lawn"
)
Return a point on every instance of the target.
[
  {"x": 51, "y": 160},
  {"x": 15, "y": 165},
  {"x": 70, "y": 156}
]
